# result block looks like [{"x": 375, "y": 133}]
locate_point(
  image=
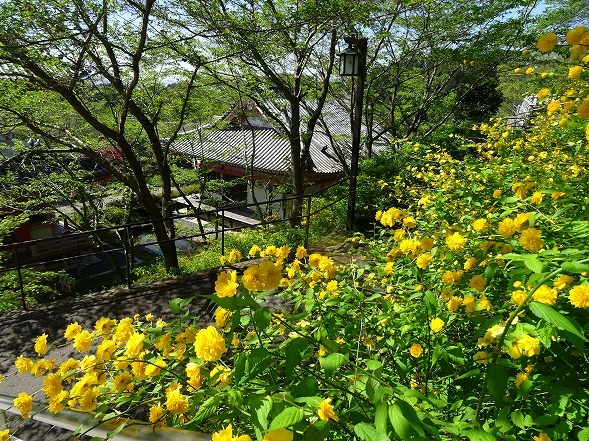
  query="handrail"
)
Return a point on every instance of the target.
[
  {"x": 82, "y": 422},
  {"x": 125, "y": 244}
]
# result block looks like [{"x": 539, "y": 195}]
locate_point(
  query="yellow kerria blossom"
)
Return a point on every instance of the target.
[
  {"x": 123, "y": 382},
  {"x": 579, "y": 296},
  {"x": 23, "y": 364},
  {"x": 301, "y": 253},
  {"x": 545, "y": 294},
  {"x": 426, "y": 244},
  {"x": 89, "y": 400},
  {"x": 72, "y": 330},
  {"x": 520, "y": 378},
  {"x": 454, "y": 303},
  {"x": 424, "y": 260},
  {"x": 481, "y": 357},
  {"x": 521, "y": 221},
  {"x": 24, "y": 403},
  {"x": 222, "y": 373},
  {"x": 398, "y": 235},
  {"x": 82, "y": 341},
  {"x": 234, "y": 256},
  {"x": 209, "y": 344},
  {"x": 135, "y": 344},
  {"x": 531, "y": 240},
  {"x": 470, "y": 263},
  {"x": 226, "y": 434},
  {"x": 583, "y": 109},
  {"x": 547, "y": 42},
  {"x": 156, "y": 414},
  {"x": 281, "y": 434},
  {"x": 253, "y": 278},
  {"x": 452, "y": 277},
  {"x": 52, "y": 385},
  {"x": 574, "y": 36},
  {"x": 537, "y": 197},
  {"x": 563, "y": 281},
  {"x": 41, "y": 344},
  {"x": 455, "y": 242},
  {"x": 518, "y": 296},
  {"x": 497, "y": 193},
  {"x": 409, "y": 222},
  {"x": 221, "y": 316},
  {"x": 254, "y": 250},
  {"x": 480, "y": 224},
  {"x": 226, "y": 284},
  {"x": 575, "y": 71},
  {"x": 506, "y": 228},
  {"x": 314, "y": 259},
  {"x": 553, "y": 107},
  {"x": 478, "y": 282},
  {"x": 469, "y": 303},
  {"x": 326, "y": 412},
  {"x": 526, "y": 345},
  {"x": 416, "y": 350},
  {"x": 331, "y": 286},
  {"x": 436, "y": 324},
  {"x": 542, "y": 437},
  {"x": 176, "y": 402},
  {"x": 530, "y": 70},
  {"x": 543, "y": 93}
]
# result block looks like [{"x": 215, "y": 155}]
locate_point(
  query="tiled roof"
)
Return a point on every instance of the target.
[
  {"x": 269, "y": 149},
  {"x": 235, "y": 146}
]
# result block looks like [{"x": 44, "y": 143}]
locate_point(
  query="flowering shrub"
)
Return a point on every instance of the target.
[{"x": 464, "y": 317}]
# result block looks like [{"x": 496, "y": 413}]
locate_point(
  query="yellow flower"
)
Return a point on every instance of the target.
[
  {"x": 454, "y": 303},
  {"x": 409, "y": 222},
  {"x": 469, "y": 303},
  {"x": 281, "y": 434},
  {"x": 72, "y": 330},
  {"x": 481, "y": 357},
  {"x": 155, "y": 367},
  {"x": 452, "y": 277},
  {"x": 398, "y": 235},
  {"x": 579, "y": 296},
  {"x": 135, "y": 344},
  {"x": 521, "y": 221},
  {"x": 455, "y": 242},
  {"x": 175, "y": 401},
  {"x": 209, "y": 344},
  {"x": 24, "y": 404},
  {"x": 542, "y": 437},
  {"x": 89, "y": 400},
  {"x": 331, "y": 286},
  {"x": 326, "y": 412},
  {"x": 223, "y": 374},
  {"x": 553, "y": 107},
  {"x": 301, "y": 253},
  {"x": 254, "y": 250},
  {"x": 426, "y": 244},
  {"x": 480, "y": 224},
  {"x": 436, "y": 325},
  {"x": 52, "y": 385},
  {"x": 226, "y": 284},
  {"x": 536, "y": 198},
  {"x": 583, "y": 109},
  {"x": 82, "y": 341},
  {"x": 283, "y": 252},
  {"x": 23, "y": 364},
  {"x": 221, "y": 316},
  {"x": 574, "y": 36},
  {"x": 530, "y": 70},
  {"x": 478, "y": 282},
  {"x": 416, "y": 350},
  {"x": 520, "y": 378},
  {"x": 575, "y": 71},
  {"x": 531, "y": 240},
  {"x": 156, "y": 414},
  {"x": 526, "y": 345},
  {"x": 55, "y": 403},
  {"x": 547, "y": 42},
  {"x": 424, "y": 260},
  {"x": 543, "y": 93},
  {"x": 253, "y": 278},
  {"x": 41, "y": 344},
  {"x": 226, "y": 434},
  {"x": 234, "y": 256},
  {"x": 545, "y": 294},
  {"x": 497, "y": 193},
  {"x": 105, "y": 350},
  {"x": 518, "y": 296},
  {"x": 4, "y": 435},
  {"x": 563, "y": 281},
  {"x": 506, "y": 227},
  {"x": 123, "y": 382}
]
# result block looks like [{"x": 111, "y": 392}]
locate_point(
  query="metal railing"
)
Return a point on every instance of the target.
[
  {"x": 84, "y": 423},
  {"x": 118, "y": 242}
]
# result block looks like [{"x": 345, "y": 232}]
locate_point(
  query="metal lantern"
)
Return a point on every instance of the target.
[{"x": 349, "y": 60}]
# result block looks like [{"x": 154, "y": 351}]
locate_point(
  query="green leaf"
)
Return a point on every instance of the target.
[
  {"x": 381, "y": 417},
  {"x": 175, "y": 305},
  {"x": 583, "y": 435},
  {"x": 534, "y": 264},
  {"x": 295, "y": 350},
  {"x": 555, "y": 318},
  {"x": 479, "y": 435},
  {"x": 372, "y": 386},
  {"x": 305, "y": 388},
  {"x": 497, "y": 382},
  {"x": 518, "y": 419},
  {"x": 262, "y": 318},
  {"x": 288, "y": 417},
  {"x": 574, "y": 268},
  {"x": 430, "y": 302},
  {"x": 405, "y": 420},
  {"x": 332, "y": 362},
  {"x": 366, "y": 432},
  {"x": 259, "y": 409},
  {"x": 207, "y": 408}
]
